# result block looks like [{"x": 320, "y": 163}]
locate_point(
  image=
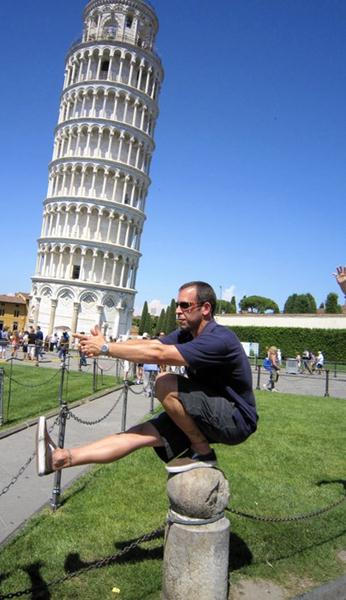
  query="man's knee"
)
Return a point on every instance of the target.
[
  {"x": 166, "y": 383},
  {"x": 146, "y": 434}
]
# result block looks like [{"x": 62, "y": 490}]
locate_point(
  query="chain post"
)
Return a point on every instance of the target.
[
  {"x": 117, "y": 368},
  {"x": 258, "y": 386},
  {"x": 151, "y": 391},
  {"x": 61, "y": 436},
  {"x": 2, "y": 418},
  {"x": 61, "y": 440},
  {"x": 9, "y": 390},
  {"x": 62, "y": 379},
  {"x": 335, "y": 373},
  {"x": 124, "y": 413},
  {"x": 326, "y": 393},
  {"x": 94, "y": 375}
]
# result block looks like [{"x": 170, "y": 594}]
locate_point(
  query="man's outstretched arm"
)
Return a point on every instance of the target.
[{"x": 138, "y": 351}]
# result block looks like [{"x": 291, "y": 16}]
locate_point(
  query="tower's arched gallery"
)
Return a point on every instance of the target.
[{"x": 89, "y": 248}]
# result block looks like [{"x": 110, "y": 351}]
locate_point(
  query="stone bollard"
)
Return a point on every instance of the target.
[{"x": 197, "y": 536}]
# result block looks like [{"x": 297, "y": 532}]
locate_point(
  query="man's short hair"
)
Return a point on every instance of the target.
[{"x": 204, "y": 293}]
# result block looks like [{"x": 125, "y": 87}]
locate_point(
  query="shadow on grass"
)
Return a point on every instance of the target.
[
  {"x": 3, "y": 576},
  {"x": 316, "y": 544},
  {"x": 39, "y": 588},
  {"x": 298, "y": 551},
  {"x": 240, "y": 554},
  {"x": 329, "y": 481},
  {"x": 74, "y": 563}
]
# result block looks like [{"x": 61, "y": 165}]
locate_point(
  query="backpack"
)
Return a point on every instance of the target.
[{"x": 267, "y": 363}]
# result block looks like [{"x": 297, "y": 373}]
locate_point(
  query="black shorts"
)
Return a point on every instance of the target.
[{"x": 216, "y": 417}]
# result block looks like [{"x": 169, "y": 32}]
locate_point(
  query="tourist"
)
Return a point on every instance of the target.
[
  {"x": 4, "y": 342},
  {"x": 25, "y": 341},
  {"x": 272, "y": 365},
  {"x": 15, "y": 343},
  {"x": 214, "y": 403},
  {"x": 319, "y": 362},
  {"x": 63, "y": 347},
  {"x": 31, "y": 343},
  {"x": 38, "y": 344}
]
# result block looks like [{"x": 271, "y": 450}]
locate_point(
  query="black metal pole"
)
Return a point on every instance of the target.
[
  {"x": 258, "y": 386},
  {"x": 2, "y": 418},
  {"x": 9, "y": 391},
  {"x": 335, "y": 373},
  {"x": 94, "y": 375},
  {"x": 151, "y": 390},
  {"x": 55, "y": 500},
  {"x": 61, "y": 437},
  {"x": 124, "y": 414},
  {"x": 326, "y": 393}
]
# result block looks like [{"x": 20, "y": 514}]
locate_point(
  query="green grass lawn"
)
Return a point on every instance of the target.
[
  {"x": 294, "y": 464},
  {"x": 31, "y": 391}
]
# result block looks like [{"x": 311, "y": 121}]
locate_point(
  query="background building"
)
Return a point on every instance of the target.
[
  {"x": 89, "y": 248},
  {"x": 13, "y": 311}
]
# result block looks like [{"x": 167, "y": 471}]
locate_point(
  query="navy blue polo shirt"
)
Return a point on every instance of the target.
[{"x": 217, "y": 360}]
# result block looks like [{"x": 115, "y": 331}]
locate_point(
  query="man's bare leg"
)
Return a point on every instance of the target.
[
  {"x": 166, "y": 391},
  {"x": 108, "y": 449}
]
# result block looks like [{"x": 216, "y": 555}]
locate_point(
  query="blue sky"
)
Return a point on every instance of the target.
[{"x": 248, "y": 177}]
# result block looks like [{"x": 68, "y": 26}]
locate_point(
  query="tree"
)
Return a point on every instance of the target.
[
  {"x": 233, "y": 305},
  {"x": 290, "y": 304},
  {"x": 258, "y": 304},
  {"x": 148, "y": 324},
  {"x": 312, "y": 303},
  {"x": 223, "y": 307},
  {"x": 145, "y": 312},
  {"x": 332, "y": 305},
  {"x": 171, "y": 320},
  {"x": 300, "y": 303},
  {"x": 160, "y": 326}
]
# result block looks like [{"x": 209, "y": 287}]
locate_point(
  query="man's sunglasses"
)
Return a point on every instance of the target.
[{"x": 186, "y": 305}]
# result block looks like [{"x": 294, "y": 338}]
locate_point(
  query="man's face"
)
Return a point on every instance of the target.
[{"x": 189, "y": 318}]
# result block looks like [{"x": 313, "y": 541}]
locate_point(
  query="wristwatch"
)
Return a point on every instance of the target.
[{"x": 104, "y": 349}]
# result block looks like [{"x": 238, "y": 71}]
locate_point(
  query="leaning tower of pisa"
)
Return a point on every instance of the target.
[{"x": 89, "y": 247}]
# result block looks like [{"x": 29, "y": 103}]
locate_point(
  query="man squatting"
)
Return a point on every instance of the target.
[{"x": 212, "y": 403}]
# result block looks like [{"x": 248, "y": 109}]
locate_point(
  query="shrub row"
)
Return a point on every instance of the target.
[{"x": 293, "y": 341}]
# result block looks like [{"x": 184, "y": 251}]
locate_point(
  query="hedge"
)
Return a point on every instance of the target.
[{"x": 294, "y": 340}]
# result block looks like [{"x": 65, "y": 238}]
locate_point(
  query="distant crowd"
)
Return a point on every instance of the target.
[{"x": 32, "y": 343}]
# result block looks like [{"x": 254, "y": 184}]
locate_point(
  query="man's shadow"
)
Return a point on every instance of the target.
[
  {"x": 39, "y": 588},
  {"x": 239, "y": 555}
]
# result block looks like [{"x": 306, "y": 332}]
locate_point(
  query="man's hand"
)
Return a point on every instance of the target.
[
  {"x": 340, "y": 276},
  {"x": 91, "y": 345}
]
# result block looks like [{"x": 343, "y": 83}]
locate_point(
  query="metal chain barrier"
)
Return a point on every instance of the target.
[
  {"x": 287, "y": 519},
  {"x": 153, "y": 535},
  {"x": 114, "y": 362},
  {"x": 27, "y": 385},
  {"x": 16, "y": 477},
  {"x": 133, "y": 391},
  {"x": 25, "y": 466},
  {"x": 96, "y": 565},
  {"x": 70, "y": 414}
]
